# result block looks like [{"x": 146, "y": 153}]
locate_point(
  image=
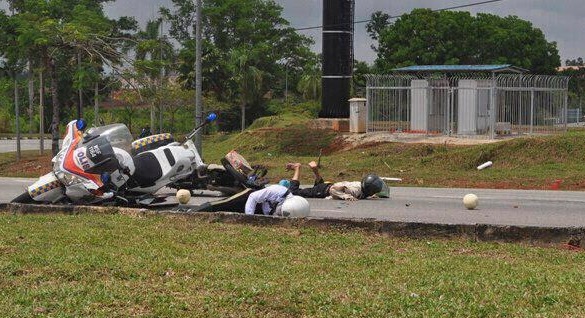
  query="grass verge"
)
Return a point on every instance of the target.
[
  {"x": 522, "y": 163},
  {"x": 114, "y": 265}
]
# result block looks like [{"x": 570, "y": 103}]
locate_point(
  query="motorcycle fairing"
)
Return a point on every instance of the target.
[
  {"x": 47, "y": 189},
  {"x": 74, "y": 162}
]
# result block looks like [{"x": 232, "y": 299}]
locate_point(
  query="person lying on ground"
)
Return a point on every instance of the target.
[
  {"x": 344, "y": 190},
  {"x": 272, "y": 200}
]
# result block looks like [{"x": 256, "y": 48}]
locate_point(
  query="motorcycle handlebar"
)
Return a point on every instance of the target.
[{"x": 210, "y": 118}]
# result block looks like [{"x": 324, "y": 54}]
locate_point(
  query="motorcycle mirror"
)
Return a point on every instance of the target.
[
  {"x": 81, "y": 124},
  {"x": 211, "y": 117}
]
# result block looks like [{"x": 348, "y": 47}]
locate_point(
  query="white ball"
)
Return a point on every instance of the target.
[
  {"x": 183, "y": 196},
  {"x": 470, "y": 201}
]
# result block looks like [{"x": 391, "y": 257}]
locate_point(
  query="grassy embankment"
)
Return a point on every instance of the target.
[
  {"x": 522, "y": 163},
  {"x": 120, "y": 266}
]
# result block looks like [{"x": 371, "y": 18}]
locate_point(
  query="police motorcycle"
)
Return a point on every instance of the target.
[
  {"x": 96, "y": 167},
  {"x": 232, "y": 176}
]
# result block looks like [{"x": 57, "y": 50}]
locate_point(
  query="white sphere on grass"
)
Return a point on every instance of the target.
[
  {"x": 470, "y": 201},
  {"x": 183, "y": 196}
]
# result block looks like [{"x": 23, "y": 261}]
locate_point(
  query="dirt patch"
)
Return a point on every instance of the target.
[{"x": 30, "y": 166}]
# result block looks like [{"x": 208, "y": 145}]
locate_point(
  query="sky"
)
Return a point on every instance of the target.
[{"x": 560, "y": 20}]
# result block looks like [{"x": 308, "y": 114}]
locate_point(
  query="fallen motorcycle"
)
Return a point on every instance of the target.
[{"x": 104, "y": 166}]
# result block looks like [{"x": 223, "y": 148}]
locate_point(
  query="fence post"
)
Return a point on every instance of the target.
[
  {"x": 368, "y": 104},
  {"x": 493, "y": 107},
  {"x": 531, "y": 109},
  {"x": 566, "y": 110}
]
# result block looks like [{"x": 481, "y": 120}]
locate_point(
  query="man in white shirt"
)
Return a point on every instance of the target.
[
  {"x": 267, "y": 201},
  {"x": 270, "y": 200}
]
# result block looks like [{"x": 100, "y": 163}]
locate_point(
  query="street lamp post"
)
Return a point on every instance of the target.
[{"x": 198, "y": 79}]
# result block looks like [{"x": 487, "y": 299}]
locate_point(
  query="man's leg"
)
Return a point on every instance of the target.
[
  {"x": 235, "y": 203},
  {"x": 296, "y": 167},
  {"x": 294, "y": 182},
  {"x": 315, "y": 192}
]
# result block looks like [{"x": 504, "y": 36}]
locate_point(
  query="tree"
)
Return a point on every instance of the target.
[
  {"x": 361, "y": 69},
  {"x": 310, "y": 83},
  {"x": 425, "y": 37},
  {"x": 252, "y": 26},
  {"x": 248, "y": 78},
  {"x": 154, "y": 54},
  {"x": 60, "y": 31},
  {"x": 574, "y": 62}
]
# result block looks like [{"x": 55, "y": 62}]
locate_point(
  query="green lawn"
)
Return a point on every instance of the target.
[{"x": 120, "y": 266}]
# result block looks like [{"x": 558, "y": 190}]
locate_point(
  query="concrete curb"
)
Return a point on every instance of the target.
[{"x": 574, "y": 237}]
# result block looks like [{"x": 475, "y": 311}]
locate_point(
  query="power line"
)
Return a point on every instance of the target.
[{"x": 398, "y": 16}]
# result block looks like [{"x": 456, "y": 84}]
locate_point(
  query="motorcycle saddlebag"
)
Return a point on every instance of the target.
[{"x": 237, "y": 166}]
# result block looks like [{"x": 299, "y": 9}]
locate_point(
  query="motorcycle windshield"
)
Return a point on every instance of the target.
[{"x": 118, "y": 135}]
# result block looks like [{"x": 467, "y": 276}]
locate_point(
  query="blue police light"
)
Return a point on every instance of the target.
[
  {"x": 81, "y": 124},
  {"x": 211, "y": 117},
  {"x": 106, "y": 178}
]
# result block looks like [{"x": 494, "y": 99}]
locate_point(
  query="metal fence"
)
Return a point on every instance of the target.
[{"x": 485, "y": 106}]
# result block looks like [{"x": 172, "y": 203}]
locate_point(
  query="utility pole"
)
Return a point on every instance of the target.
[
  {"x": 161, "y": 90},
  {"x": 96, "y": 103},
  {"x": 79, "y": 90},
  {"x": 198, "y": 79}
]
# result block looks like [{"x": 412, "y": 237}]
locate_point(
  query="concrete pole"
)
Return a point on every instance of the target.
[
  {"x": 42, "y": 112},
  {"x": 161, "y": 90},
  {"x": 198, "y": 79},
  {"x": 79, "y": 90},
  {"x": 96, "y": 104}
]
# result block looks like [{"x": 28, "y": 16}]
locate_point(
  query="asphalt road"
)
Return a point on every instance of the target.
[
  {"x": 9, "y": 145},
  {"x": 429, "y": 205}
]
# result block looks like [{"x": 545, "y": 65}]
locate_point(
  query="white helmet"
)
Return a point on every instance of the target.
[{"x": 295, "y": 206}]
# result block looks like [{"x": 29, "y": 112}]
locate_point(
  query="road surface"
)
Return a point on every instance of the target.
[
  {"x": 429, "y": 205},
  {"x": 9, "y": 145}
]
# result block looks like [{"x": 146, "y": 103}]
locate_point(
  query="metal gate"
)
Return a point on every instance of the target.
[{"x": 483, "y": 106}]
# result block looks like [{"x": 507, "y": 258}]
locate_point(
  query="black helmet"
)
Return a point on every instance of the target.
[{"x": 371, "y": 184}]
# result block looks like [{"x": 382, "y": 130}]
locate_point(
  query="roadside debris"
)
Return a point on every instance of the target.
[
  {"x": 484, "y": 165},
  {"x": 470, "y": 201},
  {"x": 556, "y": 184}
]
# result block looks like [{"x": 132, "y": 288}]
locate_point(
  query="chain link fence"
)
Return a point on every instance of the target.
[{"x": 479, "y": 106}]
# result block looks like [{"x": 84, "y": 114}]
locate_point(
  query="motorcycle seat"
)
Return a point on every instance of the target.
[{"x": 148, "y": 170}]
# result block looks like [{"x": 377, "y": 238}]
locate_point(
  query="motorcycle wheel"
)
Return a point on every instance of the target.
[{"x": 23, "y": 198}]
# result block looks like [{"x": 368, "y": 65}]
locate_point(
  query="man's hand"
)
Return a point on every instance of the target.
[{"x": 313, "y": 165}]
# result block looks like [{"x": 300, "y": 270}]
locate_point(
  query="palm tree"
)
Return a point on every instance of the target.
[
  {"x": 154, "y": 52},
  {"x": 248, "y": 78},
  {"x": 310, "y": 82}
]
